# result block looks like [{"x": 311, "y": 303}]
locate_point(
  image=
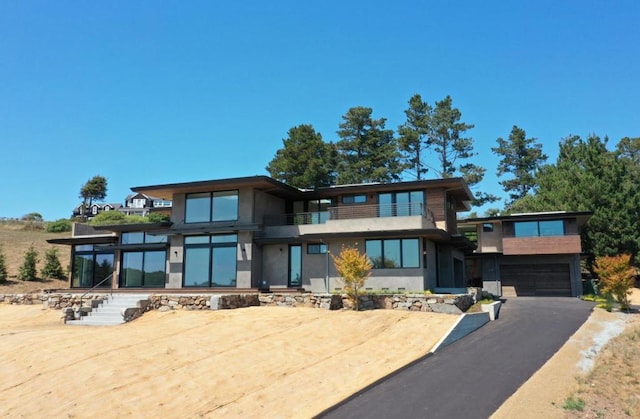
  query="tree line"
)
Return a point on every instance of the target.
[{"x": 587, "y": 176}]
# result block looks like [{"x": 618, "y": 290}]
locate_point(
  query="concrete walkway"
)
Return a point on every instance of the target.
[{"x": 472, "y": 377}]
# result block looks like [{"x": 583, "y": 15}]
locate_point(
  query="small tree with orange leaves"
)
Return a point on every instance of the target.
[
  {"x": 616, "y": 276},
  {"x": 354, "y": 268}
]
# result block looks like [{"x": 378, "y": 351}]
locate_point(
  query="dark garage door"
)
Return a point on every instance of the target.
[{"x": 529, "y": 279}]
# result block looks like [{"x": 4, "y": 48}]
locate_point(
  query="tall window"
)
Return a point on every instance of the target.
[
  {"x": 210, "y": 261},
  {"x": 295, "y": 265},
  {"x": 90, "y": 266},
  {"x": 211, "y": 206},
  {"x": 539, "y": 228},
  {"x": 396, "y": 204},
  {"x": 393, "y": 253}
]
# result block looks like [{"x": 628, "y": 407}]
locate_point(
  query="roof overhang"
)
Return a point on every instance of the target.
[
  {"x": 582, "y": 217},
  {"x": 263, "y": 183},
  {"x": 71, "y": 241},
  {"x": 125, "y": 228}
]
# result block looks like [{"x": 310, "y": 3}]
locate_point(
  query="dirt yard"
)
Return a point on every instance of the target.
[{"x": 254, "y": 362}]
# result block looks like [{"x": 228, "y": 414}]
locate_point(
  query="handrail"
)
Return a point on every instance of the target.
[{"x": 94, "y": 287}]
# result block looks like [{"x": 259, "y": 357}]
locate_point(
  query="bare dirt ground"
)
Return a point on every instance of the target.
[
  {"x": 598, "y": 369},
  {"x": 253, "y": 362}
]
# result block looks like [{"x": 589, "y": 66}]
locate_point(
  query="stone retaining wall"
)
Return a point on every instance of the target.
[
  {"x": 54, "y": 301},
  {"x": 440, "y": 303}
]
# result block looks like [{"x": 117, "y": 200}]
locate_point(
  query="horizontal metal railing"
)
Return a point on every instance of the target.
[{"x": 348, "y": 212}]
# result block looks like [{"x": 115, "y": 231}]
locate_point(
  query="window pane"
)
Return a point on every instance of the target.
[
  {"x": 198, "y": 208},
  {"x": 392, "y": 254},
  {"x": 410, "y": 253},
  {"x": 315, "y": 249},
  {"x": 295, "y": 265},
  {"x": 385, "y": 202},
  {"x": 197, "y": 240},
  {"x": 402, "y": 203},
  {"x": 225, "y": 206},
  {"x": 132, "y": 238},
  {"x": 417, "y": 201},
  {"x": 196, "y": 267},
  {"x": 552, "y": 228},
  {"x": 373, "y": 248},
  {"x": 132, "y": 269},
  {"x": 224, "y": 267},
  {"x": 224, "y": 238},
  {"x": 154, "y": 268},
  {"x": 83, "y": 248},
  {"x": 82, "y": 270},
  {"x": 104, "y": 268},
  {"x": 152, "y": 238},
  {"x": 526, "y": 229}
]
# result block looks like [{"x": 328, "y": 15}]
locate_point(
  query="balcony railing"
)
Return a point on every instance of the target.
[{"x": 348, "y": 212}]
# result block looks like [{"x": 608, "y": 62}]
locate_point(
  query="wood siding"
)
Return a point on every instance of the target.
[
  {"x": 549, "y": 245},
  {"x": 437, "y": 204}
]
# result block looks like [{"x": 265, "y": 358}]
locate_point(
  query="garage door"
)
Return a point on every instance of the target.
[{"x": 540, "y": 280}]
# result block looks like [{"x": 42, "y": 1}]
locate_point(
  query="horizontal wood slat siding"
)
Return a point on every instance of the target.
[
  {"x": 436, "y": 203},
  {"x": 552, "y": 245}
]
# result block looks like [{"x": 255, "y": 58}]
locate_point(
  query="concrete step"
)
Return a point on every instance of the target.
[{"x": 110, "y": 311}]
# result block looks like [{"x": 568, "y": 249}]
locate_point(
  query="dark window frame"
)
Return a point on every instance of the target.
[
  {"x": 211, "y": 245},
  {"x": 211, "y": 196},
  {"x": 401, "y": 247},
  {"x": 318, "y": 246},
  {"x": 356, "y": 198},
  {"x": 123, "y": 277},
  {"x": 538, "y": 230},
  {"x": 90, "y": 250}
]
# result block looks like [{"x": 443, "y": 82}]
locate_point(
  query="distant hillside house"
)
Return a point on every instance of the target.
[
  {"x": 142, "y": 204},
  {"x": 94, "y": 209}
]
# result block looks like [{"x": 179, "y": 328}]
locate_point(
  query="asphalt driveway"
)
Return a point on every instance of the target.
[{"x": 472, "y": 377}]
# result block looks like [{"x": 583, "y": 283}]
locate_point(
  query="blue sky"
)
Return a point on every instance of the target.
[{"x": 153, "y": 92}]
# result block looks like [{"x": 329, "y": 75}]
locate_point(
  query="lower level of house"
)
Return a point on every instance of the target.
[{"x": 239, "y": 260}]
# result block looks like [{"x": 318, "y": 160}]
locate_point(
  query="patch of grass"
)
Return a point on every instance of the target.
[{"x": 573, "y": 403}]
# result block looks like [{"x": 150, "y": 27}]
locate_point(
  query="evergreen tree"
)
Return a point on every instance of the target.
[
  {"x": 52, "y": 267},
  {"x": 449, "y": 143},
  {"x": 3, "y": 267},
  {"x": 520, "y": 157},
  {"x": 413, "y": 135},
  {"x": 305, "y": 159},
  {"x": 28, "y": 271},
  {"x": 367, "y": 151},
  {"x": 94, "y": 189}
]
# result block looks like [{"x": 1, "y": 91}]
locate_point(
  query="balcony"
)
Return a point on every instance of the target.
[{"x": 351, "y": 219}]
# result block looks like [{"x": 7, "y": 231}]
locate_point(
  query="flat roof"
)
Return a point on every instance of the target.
[{"x": 581, "y": 216}]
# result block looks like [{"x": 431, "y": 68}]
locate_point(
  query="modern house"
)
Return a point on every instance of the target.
[
  {"x": 526, "y": 254},
  {"x": 257, "y": 233}
]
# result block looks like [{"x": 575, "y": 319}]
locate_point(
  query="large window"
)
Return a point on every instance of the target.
[
  {"x": 144, "y": 269},
  {"x": 210, "y": 261},
  {"x": 91, "y": 265},
  {"x": 211, "y": 206},
  {"x": 539, "y": 228},
  {"x": 393, "y": 253},
  {"x": 396, "y": 204}
]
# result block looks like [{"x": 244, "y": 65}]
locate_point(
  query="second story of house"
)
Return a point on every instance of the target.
[
  {"x": 278, "y": 211},
  {"x": 543, "y": 233}
]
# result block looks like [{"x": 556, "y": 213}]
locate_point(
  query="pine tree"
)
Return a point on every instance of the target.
[
  {"x": 413, "y": 135},
  {"x": 521, "y": 157},
  {"x": 52, "y": 267},
  {"x": 28, "y": 271},
  {"x": 3, "y": 267},
  {"x": 367, "y": 151}
]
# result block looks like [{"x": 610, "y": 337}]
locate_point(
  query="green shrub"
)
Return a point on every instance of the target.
[
  {"x": 52, "y": 267},
  {"x": 27, "y": 271},
  {"x": 354, "y": 268},
  {"x": 574, "y": 403},
  {"x": 59, "y": 226},
  {"x": 156, "y": 217},
  {"x": 3, "y": 267}
]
